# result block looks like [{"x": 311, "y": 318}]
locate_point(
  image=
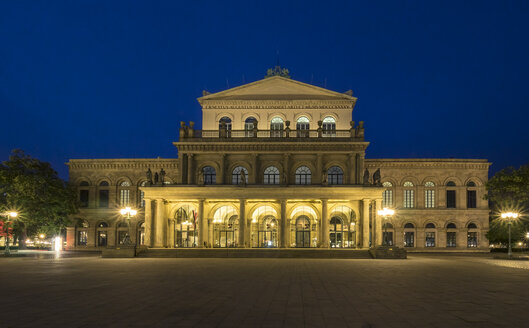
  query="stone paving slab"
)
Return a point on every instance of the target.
[{"x": 423, "y": 291}]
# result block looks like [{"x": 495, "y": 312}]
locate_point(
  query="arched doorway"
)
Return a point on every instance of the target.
[
  {"x": 303, "y": 231},
  {"x": 225, "y": 227},
  {"x": 267, "y": 233},
  {"x": 186, "y": 234},
  {"x": 336, "y": 232}
]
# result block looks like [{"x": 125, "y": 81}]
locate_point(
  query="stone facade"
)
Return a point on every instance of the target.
[{"x": 279, "y": 163}]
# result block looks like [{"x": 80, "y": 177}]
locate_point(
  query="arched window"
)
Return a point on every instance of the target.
[
  {"x": 236, "y": 175},
  {"x": 82, "y": 233},
  {"x": 472, "y": 236},
  {"x": 429, "y": 194},
  {"x": 430, "y": 235},
  {"x": 335, "y": 175},
  {"x": 387, "y": 195},
  {"x": 103, "y": 194},
  {"x": 186, "y": 232},
  {"x": 409, "y": 236},
  {"x": 409, "y": 200},
  {"x": 142, "y": 194},
  {"x": 84, "y": 194},
  {"x": 451, "y": 226},
  {"x": 303, "y": 175},
  {"x": 303, "y": 231},
  {"x": 302, "y": 127},
  {"x": 276, "y": 127},
  {"x": 271, "y": 175},
  {"x": 124, "y": 193},
  {"x": 471, "y": 195},
  {"x": 227, "y": 121},
  {"x": 329, "y": 126},
  {"x": 430, "y": 226},
  {"x": 336, "y": 232},
  {"x": 249, "y": 124},
  {"x": 102, "y": 234},
  {"x": 141, "y": 234},
  {"x": 210, "y": 176},
  {"x": 450, "y": 195},
  {"x": 409, "y": 226}
]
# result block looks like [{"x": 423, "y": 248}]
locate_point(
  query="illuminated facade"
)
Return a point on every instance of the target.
[{"x": 280, "y": 164}]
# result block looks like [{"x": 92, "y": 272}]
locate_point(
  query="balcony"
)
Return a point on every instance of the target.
[{"x": 189, "y": 134}]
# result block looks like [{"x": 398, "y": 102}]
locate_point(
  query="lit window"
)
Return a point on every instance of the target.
[
  {"x": 335, "y": 175},
  {"x": 276, "y": 127},
  {"x": 271, "y": 175},
  {"x": 303, "y": 127},
  {"x": 451, "y": 239},
  {"x": 303, "y": 175},
  {"x": 387, "y": 195},
  {"x": 142, "y": 194},
  {"x": 249, "y": 124},
  {"x": 329, "y": 126},
  {"x": 430, "y": 239},
  {"x": 408, "y": 195},
  {"x": 236, "y": 175},
  {"x": 124, "y": 194},
  {"x": 429, "y": 195}
]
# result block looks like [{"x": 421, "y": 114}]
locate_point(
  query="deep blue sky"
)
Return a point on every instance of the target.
[{"x": 112, "y": 79}]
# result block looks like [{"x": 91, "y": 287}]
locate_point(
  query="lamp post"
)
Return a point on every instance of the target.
[
  {"x": 128, "y": 213},
  {"x": 385, "y": 213},
  {"x": 509, "y": 216},
  {"x": 9, "y": 216}
]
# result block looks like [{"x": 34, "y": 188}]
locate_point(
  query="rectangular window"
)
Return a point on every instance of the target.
[
  {"x": 408, "y": 199},
  {"x": 124, "y": 197},
  {"x": 83, "y": 198},
  {"x": 430, "y": 239},
  {"x": 429, "y": 197},
  {"x": 451, "y": 239},
  {"x": 142, "y": 199},
  {"x": 387, "y": 198},
  {"x": 103, "y": 198},
  {"x": 101, "y": 238},
  {"x": 472, "y": 239},
  {"x": 450, "y": 199},
  {"x": 409, "y": 239},
  {"x": 122, "y": 235},
  {"x": 82, "y": 237},
  {"x": 471, "y": 199}
]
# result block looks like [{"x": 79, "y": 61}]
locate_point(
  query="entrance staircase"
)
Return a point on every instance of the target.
[{"x": 313, "y": 253}]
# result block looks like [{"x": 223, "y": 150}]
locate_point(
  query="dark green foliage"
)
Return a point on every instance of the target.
[
  {"x": 508, "y": 191},
  {"x": 32, "y": 188}
]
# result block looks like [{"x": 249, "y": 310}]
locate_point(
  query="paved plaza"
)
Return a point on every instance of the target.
[{"x": 422, "y": 291}]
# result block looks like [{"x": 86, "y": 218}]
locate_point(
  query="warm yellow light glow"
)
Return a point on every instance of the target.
[
  {"x": 41, "y": 236},
  {"x": 133, "y": 212},
  {"x": 509, "y": 215},
  {"x": 128, "y": 211},
  {"x": 520, "y": 243},
  {"x": 386, "y": 212},
  {"x": 57, "y": 244},
  {"x": 527, "y": 235},
  {"x": 13, "y": 214}
]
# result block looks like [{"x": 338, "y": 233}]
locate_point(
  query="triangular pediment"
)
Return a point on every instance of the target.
[{"x": 277, "y": 88}]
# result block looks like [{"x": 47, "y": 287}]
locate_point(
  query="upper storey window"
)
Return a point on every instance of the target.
[
  {"x": 303, "y": 127},
  {"x": 271, "y": 175},
  {"x": 409, "y": 200},
  {"x": 83, "y": 194},
  {"x": 124, "y": 193},
  {"x": 225, "y": 121},
  {"x": 238, "y": 174},
  {"x": 429, "y": 195},
  {"x": 387, "y": 195},
  {"x": 276, "y": 127},
  {"x": 329, "y": 126},
  {"x": 210, "y": 176},
  {"x": 303, "y": 175},
  {"x": 249, "y": 124},
  {"x": 450, "y": 195},
  {"x": 335, "y": 175}
]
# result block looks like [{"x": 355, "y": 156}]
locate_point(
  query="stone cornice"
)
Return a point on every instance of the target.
[
  {"x": 129, "y": 163},
  {"x": 272, "y": 147},
  {"x": 278, "y": 104},
  {"x": 417, "y": 163}
]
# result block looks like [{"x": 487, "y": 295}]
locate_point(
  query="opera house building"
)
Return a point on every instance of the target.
[{"x": 279, "y": 164}]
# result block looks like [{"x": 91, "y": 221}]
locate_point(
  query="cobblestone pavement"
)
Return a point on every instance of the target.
[{"x": 423, "y": 291}]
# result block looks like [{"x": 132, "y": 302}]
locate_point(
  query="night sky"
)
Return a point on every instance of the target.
[{"x": 112, "y": 79}]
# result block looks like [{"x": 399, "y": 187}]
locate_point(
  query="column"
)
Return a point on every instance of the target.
[
  {"x": 319, "y": 168},
  {"x": 284, "y": 226},
  {"x": 202, "y": 224},
  {"x": 160, "y": 224},
  {"x": 285, "y": 173},
  {"x": 365, "y": 222},
  {"x": 351, "y": 176},
  {"x": 254, "y": 178},
  {"x": 148, "y": 223},
  {"x": 379, "y": 223},
  {"x": 325, "y": 223},
  {"x": 70, "y": 238},
  {"x": 242, "y": 223},
  {"x": 220, "y": 175},
  {"x": 190, "y": 169}
]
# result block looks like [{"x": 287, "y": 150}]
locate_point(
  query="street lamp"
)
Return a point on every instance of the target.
[
  {"x": 385, "y": 213},
  {"x": 11, "y": 215},
  {"x": 128, "y": 213},
  {"x": 509, "y": 216}
]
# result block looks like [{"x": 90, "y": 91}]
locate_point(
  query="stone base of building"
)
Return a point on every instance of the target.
[
  {"x": 119, "y": 252},
  {"x": 388, "y": 252}
]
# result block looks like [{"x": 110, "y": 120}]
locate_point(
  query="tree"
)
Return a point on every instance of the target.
[
  {"x": 508, "y": 190},
  {"x": 34, "y": 189}
]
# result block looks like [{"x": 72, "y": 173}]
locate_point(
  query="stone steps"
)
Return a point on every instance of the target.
[{"x": 314, "y": 253}]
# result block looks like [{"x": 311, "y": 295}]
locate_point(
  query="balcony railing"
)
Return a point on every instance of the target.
[{"x": 354, "y": 133}]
